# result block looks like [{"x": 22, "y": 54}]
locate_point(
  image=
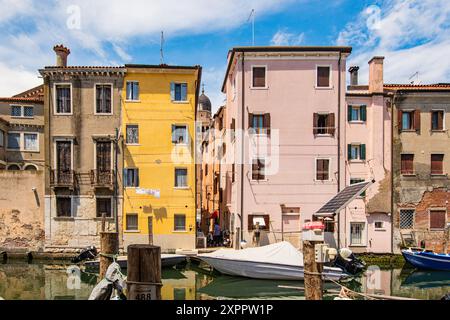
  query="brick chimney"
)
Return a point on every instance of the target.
[
  {"x": 376, "y": 81},
  {"x": 61, "y": 55},
  {"x": 353, "y": 75}
]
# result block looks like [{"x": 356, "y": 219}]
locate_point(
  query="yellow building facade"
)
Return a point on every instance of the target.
[{"x": 158, "y": 128}]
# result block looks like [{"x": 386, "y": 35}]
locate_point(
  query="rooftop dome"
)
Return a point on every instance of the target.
[{"x": 204, "y": 104}]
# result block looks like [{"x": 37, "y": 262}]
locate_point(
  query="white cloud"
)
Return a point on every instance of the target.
[
  {"x": 11, "y": 8},
  {"x": 283, "y": 38},
  {"x": 413, "y": 35},
  {"x": 212, "y": 78},
  {"x": 14, "y": 81}
]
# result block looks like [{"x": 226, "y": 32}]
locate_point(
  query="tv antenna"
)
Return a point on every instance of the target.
[
  {"x": 252, "y": 18},
  {"x": 415, "y": 75},
  {"x": 162, "y": 47}
]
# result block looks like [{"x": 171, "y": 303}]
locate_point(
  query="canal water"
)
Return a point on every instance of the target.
[{"x": 42, "y": 281}]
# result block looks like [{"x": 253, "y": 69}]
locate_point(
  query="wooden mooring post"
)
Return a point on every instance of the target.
[
  {"x": 144, "y": 272},
  {"x": 313, "y": 272},
  {"x": 109, "y": 247}
]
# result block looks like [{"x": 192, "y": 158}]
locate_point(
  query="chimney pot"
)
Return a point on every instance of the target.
[
  {"x": 62, "y": 53},
  {"x": 376, "y": 81},
  {"x": 353, "y": 75}
]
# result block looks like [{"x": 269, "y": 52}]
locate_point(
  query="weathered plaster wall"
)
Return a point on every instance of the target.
[{"x": 21, "y": 210}]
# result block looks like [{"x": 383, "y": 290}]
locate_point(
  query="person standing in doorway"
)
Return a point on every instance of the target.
[{"x": 257, "y": 235}]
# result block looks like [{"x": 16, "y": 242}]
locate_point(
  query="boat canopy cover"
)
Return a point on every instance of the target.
[{"x": 278, "y": 253}]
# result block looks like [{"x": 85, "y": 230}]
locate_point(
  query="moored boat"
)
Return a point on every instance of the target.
[
  {"x": 280, "y": 261},
  {"x": 426, "y": 260}
]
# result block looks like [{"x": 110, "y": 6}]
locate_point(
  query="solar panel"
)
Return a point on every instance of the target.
[{"x": 343, "y": 198}]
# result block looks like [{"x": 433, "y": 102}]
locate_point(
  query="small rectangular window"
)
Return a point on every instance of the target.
[
  {"x": 437, "y": 219},
  {"x": 16, "y": 111},
  {"x": 31, "y": 142},
  {"x": 379, "y": 225},
  {"x": 132, "y": 91},
  {"x": 104, "y": 207},
  {"x": 357, "y": 113},
  {"x": 28, "y": 112},
  {"x": 407, "y": 219},
  {"x": 2, "y": 138},
  {"x": 63, "y": 99},
  {"x": 179, "y": 134},
  {"x": 259, "y": 77},
  {"x": 131, "y": 178},
  {"x": 14, "y": 141},
  {"x": 437, "y": 120},
  {"x": 324, "y": 123},
  {"x": 103, "y": 99},
  {"x": 258, "y": 169},
  {"x": 260, "y": 123},
  {"x": 437, "y": 164},
  {"x": 64, "y": 207},
  {"x": 323, "y": 77},
  {"x": 260, "y": 220},
  {"x": 178, "y": 92},
  {"x": 180, "y": 222},
  {"x": 356, "y": 234},
  {"x": 322, "y": 169},
  {"x": 132, "y": 222},
  {"x": 181, "y": 178},
  {"x": 356, "y": 152},
  {"x": 408, "y": 120},
  {"x": 132, "y": 134},
  {"x": 407, "y": 164}
]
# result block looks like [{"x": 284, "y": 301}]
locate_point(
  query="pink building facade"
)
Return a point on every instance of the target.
[
  {"x": 289, "y": 102},
  {"x": 366, "y": 223}
]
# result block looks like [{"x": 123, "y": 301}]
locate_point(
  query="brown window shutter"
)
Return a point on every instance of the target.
[
  {"x": 255, "y": 171},
  {"x": 399, "y": 119},
  {"x": 323, "y": 76},
  {"x": 261, "y": 165},
  {"x": 250, "y": 222},
  {"x": 267, "y": 222},
  {"x": 319, "y": 170},
  {"x": 250, "y": 120},
  {"x": 437, "y": 163},
  {"x": 315, "y": 123},
  {"x": 437, "y": 219},
  {"x": 407, "y": 164},
  {"x": 267, "y": 123},
  {"x": 417, "y": 120},
  {"x": 331, "y": 124},
  {"x": 326, "y": 169},
  {"x": 441, "y": 120},
  {"x": 259, "y": 77}
]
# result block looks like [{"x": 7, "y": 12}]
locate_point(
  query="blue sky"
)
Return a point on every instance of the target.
[{"x": 412, "y": 34}]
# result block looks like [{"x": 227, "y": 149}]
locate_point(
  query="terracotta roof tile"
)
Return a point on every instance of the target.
[
  {"x": 21, "y": 99},
  {"x": 437, "y": 86}
]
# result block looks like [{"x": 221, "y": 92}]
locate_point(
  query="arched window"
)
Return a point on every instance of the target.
[
  {"x": 13, "y": 167},
  {"x": 31, "y": 167}
]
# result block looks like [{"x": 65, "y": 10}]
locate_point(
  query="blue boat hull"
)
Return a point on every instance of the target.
[{"x": 427, "y": 260}]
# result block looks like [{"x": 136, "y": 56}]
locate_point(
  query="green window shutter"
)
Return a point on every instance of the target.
[
  {"x": 349, "y": 152},
  {"x": 363, "y": 152},
  {"x": 363, "y": 113},
  {"x": 349, "y": 113}
]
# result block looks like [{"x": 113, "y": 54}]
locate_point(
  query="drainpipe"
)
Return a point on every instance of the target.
[
  {"x": 339, "y": 148},
  {"x": 392, "y": 170},
  {"x": 242, "y": 145},
  {"x": 116, "y": 187}
]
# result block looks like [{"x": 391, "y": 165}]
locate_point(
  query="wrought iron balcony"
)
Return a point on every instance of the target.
[
  {"x": 62, "y": 178},
  {"x": 101, "y": 178}
]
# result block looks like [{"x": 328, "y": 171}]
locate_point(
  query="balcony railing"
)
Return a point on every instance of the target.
[
  {"x": 62, "y": 178},
  {"x": 101, "y": 178}
]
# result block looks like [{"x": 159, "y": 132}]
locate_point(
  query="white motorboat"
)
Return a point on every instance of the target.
[{"x": 280, "y": 261}]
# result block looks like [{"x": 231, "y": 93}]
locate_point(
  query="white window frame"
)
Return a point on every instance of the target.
[
  {"x": 317, "y": 77},
  {"x": 126, "y": 226},
  {"x": 126, "y": 93},
  {"x": 187, "y": 94},
  {"x": 358, "y": 159},
  {"x": 112, "y": 99},
  {"x": 132, "y": 168},
  {"x": 383, "y": 228},
  {"x": 22, "y": 111},
  {"x": 443, "y": 120},
  {"x": 329, "y": 169},
  {"x": 22, "y": 142},
  {"x": 26, "y": 165},
  {"x": 55, "y": 107},
  {"x": 72, "y": 211},
  {"x": 354, "y": 106},
  {"x": 185, "y": 223},
  {"x": 187, "y": 134},
  {"x": 112, "y": 206},
  {"x": 14, "y": 164},
  {"x": 429, "y": 220},
  {"x": 363, "y": 234},
  {"x": 266, "y": 80},
  {"x": 126, "y": 134},
  {"x": 187, "y": 178},
  {"x": 55, "y": 159}
]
